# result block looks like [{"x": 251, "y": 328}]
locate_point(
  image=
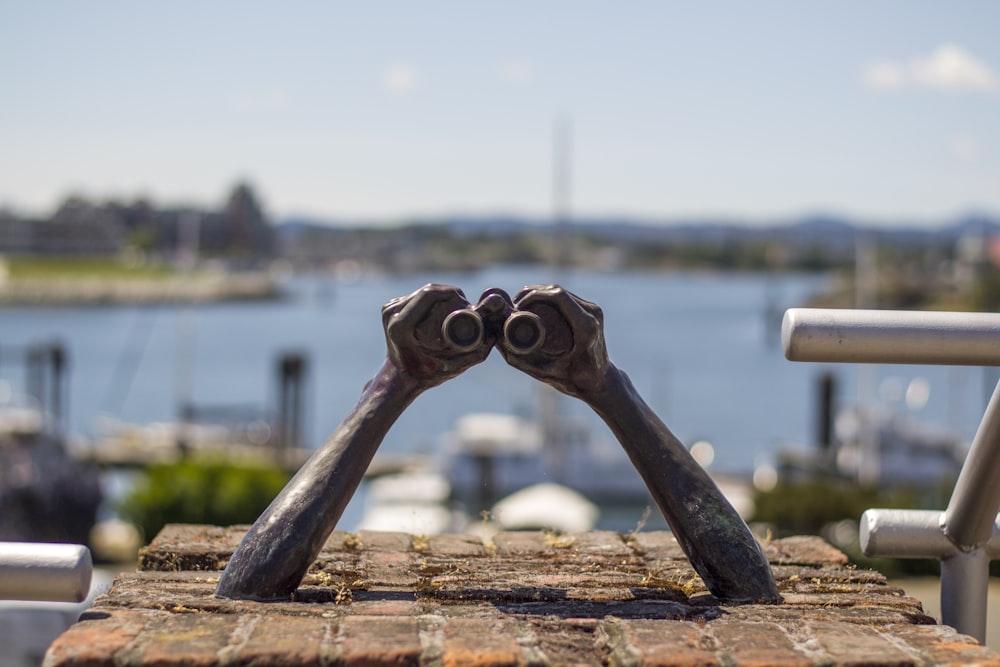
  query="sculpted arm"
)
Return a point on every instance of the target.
[
  {"x": 275, "y": 553},
  {"x": 570, "y": 355}
]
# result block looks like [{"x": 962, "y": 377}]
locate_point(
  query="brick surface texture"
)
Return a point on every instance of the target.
[{"x": 530, "y": 598}]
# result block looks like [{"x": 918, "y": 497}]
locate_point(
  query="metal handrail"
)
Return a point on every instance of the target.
[
  {"x": 966, "y": 536},
  {"x": 891, "y": 336},
  {"x": 44, "y": 572}
]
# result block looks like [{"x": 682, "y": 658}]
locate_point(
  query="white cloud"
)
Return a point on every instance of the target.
[
  {"x": 517, "y": 71},
  {"x": 952, "y": 68},
  {"x": 400, "y": 78},
  {"x": 884, "y": 76},
  {"x": 949, "y": 68}
]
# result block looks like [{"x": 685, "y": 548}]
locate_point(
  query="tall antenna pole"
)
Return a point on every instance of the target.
[
  {"x": 561, "y": 160},
  {"x": 548, "y": 400}
]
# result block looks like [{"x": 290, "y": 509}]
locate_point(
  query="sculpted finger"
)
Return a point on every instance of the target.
[
  {"x": 392, "y": 308},
  {"x": 569, "y": 321},
  {"x": 421, "y": 315},
  {"x": 529, "y": 289},
  {"x": 568, "y": 303},
  {"x": 395, "y": 306},
  {"x": 590, "y": 307},
  {"x": 583, "y": 316}
]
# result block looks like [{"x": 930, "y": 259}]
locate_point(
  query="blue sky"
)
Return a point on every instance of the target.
[{"x": 887, "y": 112}]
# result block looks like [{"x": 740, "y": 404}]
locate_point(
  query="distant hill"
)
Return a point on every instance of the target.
[{"x": 824, "y": 229}]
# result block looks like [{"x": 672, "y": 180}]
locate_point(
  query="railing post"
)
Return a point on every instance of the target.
[
  {"x": 972, "y": 510},
  {"x": 965, "y": 581}
]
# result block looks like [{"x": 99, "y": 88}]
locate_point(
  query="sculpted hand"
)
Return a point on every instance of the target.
[
  {"x": 434, "y": 334},
  {"x": 558, "y": 338}
]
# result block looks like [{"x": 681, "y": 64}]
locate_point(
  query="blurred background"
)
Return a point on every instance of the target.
[{"x": 203, "y": 208}]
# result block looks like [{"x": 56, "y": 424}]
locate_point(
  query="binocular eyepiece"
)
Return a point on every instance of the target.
[
  {"x": 523, "y": 332},
  {"x": 464, "y": 330}
]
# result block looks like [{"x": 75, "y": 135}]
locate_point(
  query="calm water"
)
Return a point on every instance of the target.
[{"x": 703, "y": 349}]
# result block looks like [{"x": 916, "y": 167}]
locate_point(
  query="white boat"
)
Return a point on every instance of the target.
[
  {"x": 488, "y": 457},
  {"x": 502, "y": 469},
  {"x": 877, "y": 445},
  {"x": 415, "y": 502},
  {"x": 546, "y": 506},
  {"x": 45, "y": 495}
]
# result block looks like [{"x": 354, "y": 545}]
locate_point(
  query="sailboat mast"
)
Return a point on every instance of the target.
[
  {"x": 561, "y": 157},
  {"x": 548, "y": 401}
]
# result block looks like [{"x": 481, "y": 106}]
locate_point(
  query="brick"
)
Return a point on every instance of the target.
[
  {"x": 293, "y": 641},
  {"x": 193, "y": 640},
  {"x": 802, "y": 550},
  {"x": 372, "y": 540},
  {"x": 756, "y": 645},
  {"x": 601, "y": 543},
  {"x": 531, "y": 598},
  {"x": 943, "y": 645},
  {"x": 387, "y": 568},
  {"x": 856, "y": 644},
  {"x": 479, "y": 643},
  {"x": 97, "y": 638},
  {"x": 191, "y": 547},
  {"x": 341, "y": 541},
  {"x": 186, "y": 536},
  {"x": 384, "y": 603},
  {"x": 656, "y": 544},
  {"x": 528, "y": 543},
  {"x": 379, "y": 640},
  {"x": 649, "y": 644},
  {"x": 456, "y": 546},
  {"x": 566, "y": 641}
]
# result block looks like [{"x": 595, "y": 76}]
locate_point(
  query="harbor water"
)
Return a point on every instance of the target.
[{"x": 702, "y": 348}]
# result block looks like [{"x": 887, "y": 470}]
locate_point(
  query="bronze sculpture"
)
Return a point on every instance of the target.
[{"x": 434, "y": 334}]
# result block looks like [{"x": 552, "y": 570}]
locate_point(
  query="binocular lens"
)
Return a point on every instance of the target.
[
  {"x": 523, "y": 332},
  {"x": 463, "y": 329}
]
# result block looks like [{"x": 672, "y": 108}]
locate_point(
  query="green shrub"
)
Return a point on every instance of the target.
[
  {"x": 821, "y": 505},
  {"x": 806, "y": 506},
  {"x": 212, "y": 493}
]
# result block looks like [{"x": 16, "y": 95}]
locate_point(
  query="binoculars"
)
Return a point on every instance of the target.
[{"x": 465, "y": 330}]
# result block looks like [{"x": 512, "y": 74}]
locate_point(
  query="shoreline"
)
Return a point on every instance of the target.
[{"x": 89, "y": 291}]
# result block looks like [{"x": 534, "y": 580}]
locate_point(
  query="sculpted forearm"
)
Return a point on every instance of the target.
[
  {"x": 572, "y": 357},
  {"x": 708, "y": 528},
  {"x": 273, "y": 556},
  {"x": 275, "y": 553}
]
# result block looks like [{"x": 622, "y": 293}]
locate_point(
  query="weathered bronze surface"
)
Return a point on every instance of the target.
[
  {"x": 434, "y": 334},
  {"x": 572, "y": 357}
]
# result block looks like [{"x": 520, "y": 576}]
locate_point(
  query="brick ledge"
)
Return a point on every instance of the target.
[{"x": 530, "y": 598}]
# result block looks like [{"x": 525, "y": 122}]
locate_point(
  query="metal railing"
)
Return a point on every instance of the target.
[
  {"x": 966, "y": 536},
  {"x": 44, "y": 572}
]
